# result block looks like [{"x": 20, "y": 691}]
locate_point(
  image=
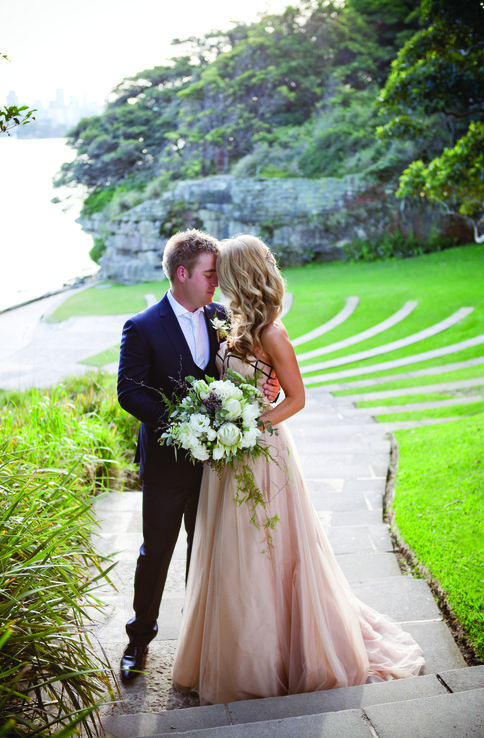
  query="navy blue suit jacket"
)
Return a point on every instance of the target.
[{"x": 154, "y": 355}]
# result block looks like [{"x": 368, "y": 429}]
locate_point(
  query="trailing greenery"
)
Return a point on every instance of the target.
[
  {"x": 98, "y": 249},
  {"x": 439, "y": 513}
]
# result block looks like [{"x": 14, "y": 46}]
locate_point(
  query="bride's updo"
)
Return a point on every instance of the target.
[{"x": 252, "y": 283}]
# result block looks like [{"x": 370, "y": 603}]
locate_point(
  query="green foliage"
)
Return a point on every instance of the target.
[
  {"x": 436, "y": 87},
  {"x": 247, "y": 95},
  {"x": 440, "y": 514},
  {"x": 97, "y": 201},
  {"x": 50, "y": 676},
  {"x": 12, "y": 115},
  {"x": 454, "y": 179},
  {"x": 64, "y": 445},
  {"x": 97, "y": 250},
  {"x": 78, "y": 422},
  {"x": 394, "y": 246},
  {"x": 180, "y": 217}
]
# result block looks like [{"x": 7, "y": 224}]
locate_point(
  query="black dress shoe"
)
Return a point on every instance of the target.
[{"x": 132, "y": 661}]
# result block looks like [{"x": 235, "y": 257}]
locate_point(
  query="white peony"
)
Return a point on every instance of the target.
[
  {"x": 229, "y": 434},
  {"x": 201, "y": 388}
]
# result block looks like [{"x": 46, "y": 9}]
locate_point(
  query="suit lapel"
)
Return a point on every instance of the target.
[{"x": 174, "y": 333}]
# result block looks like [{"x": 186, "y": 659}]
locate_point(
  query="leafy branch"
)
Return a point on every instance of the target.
[{"x": 12, "y": 115}]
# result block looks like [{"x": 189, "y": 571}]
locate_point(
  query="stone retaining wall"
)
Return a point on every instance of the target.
[{"x": 300, "y": 219}]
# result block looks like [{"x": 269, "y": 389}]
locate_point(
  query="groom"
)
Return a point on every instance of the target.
[{"x": 165, "y": 343}]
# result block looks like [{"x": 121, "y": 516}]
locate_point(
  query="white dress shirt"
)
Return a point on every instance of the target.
[{"x": 194, "y": 329}]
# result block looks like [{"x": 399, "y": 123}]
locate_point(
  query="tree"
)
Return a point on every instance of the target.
[
  {"x": 126, "y": 140},
  {"x": 12, "y": 115},
  {"x": 437, "y": 82}
]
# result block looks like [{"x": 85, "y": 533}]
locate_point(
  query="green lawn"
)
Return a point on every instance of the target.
[{"x": 439, "y": 513}]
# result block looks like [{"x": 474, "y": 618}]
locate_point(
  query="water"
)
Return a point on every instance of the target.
[{"x": 41, "y": 245}]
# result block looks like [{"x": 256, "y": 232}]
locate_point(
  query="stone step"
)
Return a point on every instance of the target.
[{"x": 448, "y": 704}]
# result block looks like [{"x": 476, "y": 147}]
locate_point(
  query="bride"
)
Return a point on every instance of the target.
[{"x": 264, "y": 618}]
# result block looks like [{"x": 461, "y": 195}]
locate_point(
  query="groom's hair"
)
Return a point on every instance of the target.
[{"x": 184, "y": 249}]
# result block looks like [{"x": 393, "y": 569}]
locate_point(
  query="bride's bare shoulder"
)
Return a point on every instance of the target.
[{"x": 274, "y": 337}]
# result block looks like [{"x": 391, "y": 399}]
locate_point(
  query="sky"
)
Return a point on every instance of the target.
[{"x": 89, "y": 47}]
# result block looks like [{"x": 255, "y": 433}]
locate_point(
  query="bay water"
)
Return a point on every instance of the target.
[{"x": 41, "y": 245}]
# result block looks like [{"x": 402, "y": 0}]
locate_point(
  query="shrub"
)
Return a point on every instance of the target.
[
  {"x": 394, "y": 246},
  {"x": 50, "y": 678}
]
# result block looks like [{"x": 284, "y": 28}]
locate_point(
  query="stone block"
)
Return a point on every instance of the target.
[
  {"x": 402, "y": 598},
  {"x": 145, "y": 724},
  {"x": 348, "y": 724},
  {"x": 360, "y": 539},
  {"x": 334, "y": 700},
  {"x": 459, "y": 680},
  {"x": 359, "y": 568},
  {"x": 440, "y": 650},
  {"x": 458, "y": 715}
]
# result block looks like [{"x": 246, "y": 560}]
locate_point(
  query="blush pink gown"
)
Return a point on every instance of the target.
[{"x": 265, "y": 620}]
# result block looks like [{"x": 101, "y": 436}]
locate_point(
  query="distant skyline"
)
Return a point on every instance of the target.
[{"x": 88, "y": 48}]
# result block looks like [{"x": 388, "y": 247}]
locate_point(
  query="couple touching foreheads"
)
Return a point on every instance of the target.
[{"x": 255, "y": 623}]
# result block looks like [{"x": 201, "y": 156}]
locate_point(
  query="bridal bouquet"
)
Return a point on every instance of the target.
[{"x": 216, "y": 422}]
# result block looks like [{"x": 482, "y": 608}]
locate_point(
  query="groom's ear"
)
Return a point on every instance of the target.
[{"x": 182, "y": 273}]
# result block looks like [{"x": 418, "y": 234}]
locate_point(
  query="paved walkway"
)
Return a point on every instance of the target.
[{"x": 345, "y": 456}]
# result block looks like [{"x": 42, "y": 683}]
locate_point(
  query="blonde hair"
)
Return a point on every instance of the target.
[
  {"x": 184, "y": 249},
  {"x": 248, "y": 276}
]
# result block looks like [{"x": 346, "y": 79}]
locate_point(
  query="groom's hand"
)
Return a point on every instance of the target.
[{"x": 271, "y": 388}]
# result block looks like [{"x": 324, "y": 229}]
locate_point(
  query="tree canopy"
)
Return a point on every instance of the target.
[
  {"x": 435, "y": 92},
  {"x": 266, "y": 97}
]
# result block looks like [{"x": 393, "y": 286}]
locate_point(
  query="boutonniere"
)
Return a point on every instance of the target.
[{"x": 222, "y": 328}]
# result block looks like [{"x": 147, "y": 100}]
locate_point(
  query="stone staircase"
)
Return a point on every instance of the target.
[
  {"x": 345, "y": 458},
  {"x": 445, "y": 705}
]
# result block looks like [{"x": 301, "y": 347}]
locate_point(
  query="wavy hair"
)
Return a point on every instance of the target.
[{"x": 249, "y": 278}]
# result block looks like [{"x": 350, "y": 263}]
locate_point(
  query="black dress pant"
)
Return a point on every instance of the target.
[{"x": 165, "y": 505}]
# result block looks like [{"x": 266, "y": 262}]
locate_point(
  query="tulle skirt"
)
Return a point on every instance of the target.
[{"x": 268, "y": 617}]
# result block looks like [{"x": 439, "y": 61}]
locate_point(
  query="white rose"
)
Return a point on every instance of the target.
[
  {"x": 249, "y": 439},
  {"x": 250, "y": 413},
  {"x": 232, "y": 408},
  {"x": 183, "y": 433},
  {"x": 218, "y": 452},
  {"x": 211, "y": 434},
  {"x": 199, "y": 452},
  {"x": 229, "y": 434},
  {"x": 199, "y": 423}
]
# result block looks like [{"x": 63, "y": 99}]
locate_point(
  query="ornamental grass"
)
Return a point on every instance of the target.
[{"x": 58, "y": 449}]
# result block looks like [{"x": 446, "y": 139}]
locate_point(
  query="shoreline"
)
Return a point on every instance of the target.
[{"x": 75, "y": 283}]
